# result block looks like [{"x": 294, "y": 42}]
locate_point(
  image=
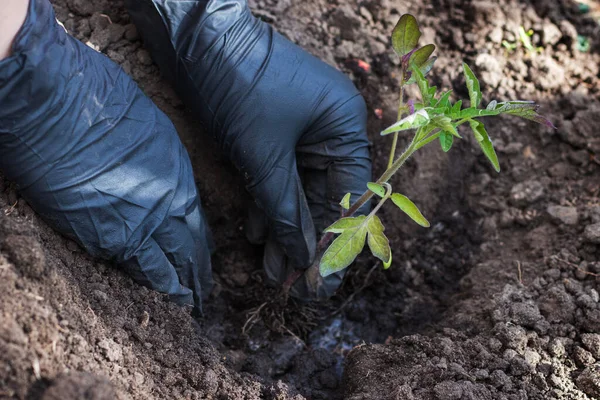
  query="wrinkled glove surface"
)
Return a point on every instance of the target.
[
  {"x": 98, "y": 160},
  {"x": 293, "y": 125}
]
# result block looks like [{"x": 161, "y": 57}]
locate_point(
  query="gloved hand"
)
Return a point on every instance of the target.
[
  {"x": 98, "y": 160},
  {"x": 293, "y": 125}
]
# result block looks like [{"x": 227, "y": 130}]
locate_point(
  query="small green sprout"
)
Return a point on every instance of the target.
[
  {"x": 525, "y": 40},
  {"x": 434, "y": 117},
  {"x": 583, "y": 44}
]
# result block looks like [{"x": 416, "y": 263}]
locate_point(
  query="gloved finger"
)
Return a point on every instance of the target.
[
  {"x": 203, "y": 242},
  {"x": 149, "y": 266},
  {"x": 314, "y": 182},
  {"x": 201, "y": 230},
  {"x": 188, "y": 253},
  {"x": 278, "y": 191},
  {"x": 256, "y": 226}
]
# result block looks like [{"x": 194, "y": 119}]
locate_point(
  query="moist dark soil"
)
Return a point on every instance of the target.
[{"x": 499, "y": 299}]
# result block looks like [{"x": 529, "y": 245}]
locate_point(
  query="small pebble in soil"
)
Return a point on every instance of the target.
[
  {"x": 526, "y": 193},
  {"x": 563, "y": 214},
  {"x": 592, "y": 233}
]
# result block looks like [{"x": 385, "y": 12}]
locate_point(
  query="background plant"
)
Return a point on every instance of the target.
[
  {"x": 433, "y": 118},
  {"x": 525, "y": 39}
]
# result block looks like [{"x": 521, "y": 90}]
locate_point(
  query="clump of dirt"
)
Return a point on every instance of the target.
[{"x": 498, "y": 300}]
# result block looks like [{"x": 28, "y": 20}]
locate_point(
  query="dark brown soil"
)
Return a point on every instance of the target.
[{"x": 498, "y": 300}]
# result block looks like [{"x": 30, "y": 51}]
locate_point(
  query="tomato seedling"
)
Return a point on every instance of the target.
[{"x": 433, "y": 118}]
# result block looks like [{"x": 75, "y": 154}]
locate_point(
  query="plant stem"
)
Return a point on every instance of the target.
[
  {"x": 393, "y": 149},
  {"x": 398, "y": 118}
]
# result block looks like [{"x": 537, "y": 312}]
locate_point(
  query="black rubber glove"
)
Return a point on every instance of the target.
[
  {"x": 293, "y": 125},
  {"x": 98, "y": 160}
]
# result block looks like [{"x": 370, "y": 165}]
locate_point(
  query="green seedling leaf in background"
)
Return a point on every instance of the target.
[
  {"x": 406, "y": 34},
  {"x": 486, "y": 144},
  {"x": 446, "y": 140},
  {"x": 378, "y": 242},
  {"x": 345, "y": 203},
  {"x": 413, "y": 121},
  {"x": 472, "y": 86},
  {"x": 410, "y": 209},
  {"x": 583, "y": 44},
  {"x": 344, "y": 250},
  {"x": 525, "y": 37},
  {"x": 376, "y": 188}
]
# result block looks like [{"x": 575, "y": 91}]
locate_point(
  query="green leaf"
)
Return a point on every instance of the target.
[
  {"x": 343, "y": 251},
  {"x": 513, "y": 106},
  {"x": 376, "y": 188},
  {"x": 436, "y": 111},
  {"x": 491, "y": 105},
  {"x": 455, "y": 111},
  {"x": 386, "y": 265},
  {"x": 445, "y": 123},
  {"x": 345, "y": 203},
  {"x": 413, "y": 121},
  {"x": 478, "y": 135},
  {"x": 425, "y": 69},
  {"x": 428, "y": 66},
  {"x": 523, "y": 109},
  {"x": 444, "y": 101},
  {"x": 472, "y": 112},
  {"x": 410, "y": 209},
  {"x": 427, "y": 92},
  {"x": 525, "y": 38},
  {"x": 473, "y": 86},
  {"x": 378, "y": 242},
  {"x": 406, "y": 34},
  {"x": 446, "y": 140},
  {"x": 343, "y": 224},
  {"x": 485, "y": 143},
  {"x": 421, "y": 56}
]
